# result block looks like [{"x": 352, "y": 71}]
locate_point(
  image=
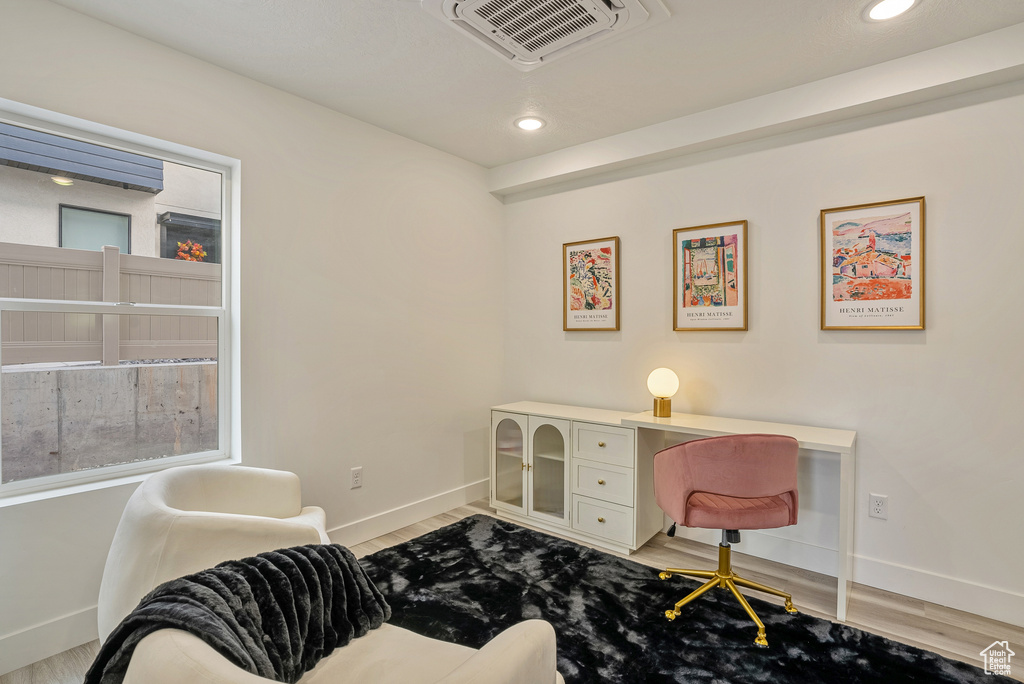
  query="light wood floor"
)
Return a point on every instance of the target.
[{"x": 952, "y": 633}]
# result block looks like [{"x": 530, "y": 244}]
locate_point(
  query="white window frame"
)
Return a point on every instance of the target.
[{"x": 228, "y": 348}]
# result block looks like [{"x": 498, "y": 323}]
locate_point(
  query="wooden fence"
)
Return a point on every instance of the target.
[{"x": 34, "y": 272}]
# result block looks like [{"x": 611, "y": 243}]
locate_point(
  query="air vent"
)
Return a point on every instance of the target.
[{"x": 530, "y": 33}]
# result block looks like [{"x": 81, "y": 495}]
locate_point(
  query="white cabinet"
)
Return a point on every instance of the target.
[
  {"x": 573, "y": 471},
  {"x": 605, "y": 443},
  {"x": 547, "y": 469},
  {"x": 508, "y": 461},
  {"x": 607, "y": 521},
  {"x": 530, "y": 466},
  {"x": 602, "y": 481}
]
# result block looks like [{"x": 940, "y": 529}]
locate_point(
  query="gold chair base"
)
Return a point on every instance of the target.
[{"x": 725, "y": 578}]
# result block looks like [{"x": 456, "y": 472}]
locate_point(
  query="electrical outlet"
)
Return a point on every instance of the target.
[
  {"x": 878, "y": 506},
  {"x": 357, "y": 478}
]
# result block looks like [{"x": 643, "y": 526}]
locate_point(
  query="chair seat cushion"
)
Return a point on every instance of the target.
[
  {"x": 384, "y": 655},
  {"x": 390, "y": 654},
  {"x": 715, "y": 511}
]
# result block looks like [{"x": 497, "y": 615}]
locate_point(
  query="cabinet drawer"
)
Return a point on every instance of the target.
[
  {"x": 603, "y": 519},
  {"x": 602, "y": 481},
  {"x": 603, "y": 443}
]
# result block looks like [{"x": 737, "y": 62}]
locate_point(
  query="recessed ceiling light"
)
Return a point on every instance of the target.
[
  {"x": 61, "y": 180},
  {"x": 530, "y": 123},
  {"x": 887, "y": 9}
]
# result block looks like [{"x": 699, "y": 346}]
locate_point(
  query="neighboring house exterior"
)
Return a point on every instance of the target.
[{"x": 157, "y": 203}]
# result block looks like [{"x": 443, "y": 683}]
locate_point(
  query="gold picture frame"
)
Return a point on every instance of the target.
[
  {"x": 590, "y": 285},
  {"x": 709, "y": 285},
  {"x": 872, "y": 266}
]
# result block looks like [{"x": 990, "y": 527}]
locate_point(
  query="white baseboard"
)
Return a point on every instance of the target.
[
  {"x": 31, "y": 645},
  {"x": 374, "y": 526},
  {"x": 971, "y": 597},
  {"x": 979, "y": 599}
]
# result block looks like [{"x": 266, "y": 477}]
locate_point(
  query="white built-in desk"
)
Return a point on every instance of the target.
[{"x": 841, "y": 442}]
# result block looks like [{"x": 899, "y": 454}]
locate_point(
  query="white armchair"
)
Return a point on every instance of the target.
[
  {"x": 186, "y": 519},
  {"x": 190, "y": 518},
  {"x": 522, "y": 654}
]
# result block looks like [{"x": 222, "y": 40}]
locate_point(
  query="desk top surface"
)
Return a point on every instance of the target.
[
  {"x": 816, "y": 438},
  {"x": 567, "y": 412}
]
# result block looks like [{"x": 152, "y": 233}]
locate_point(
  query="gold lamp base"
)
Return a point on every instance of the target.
[{"x": 662, "y": 407}]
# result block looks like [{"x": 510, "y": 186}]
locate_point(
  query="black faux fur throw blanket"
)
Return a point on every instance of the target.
[{"x": 274, "y": 615}]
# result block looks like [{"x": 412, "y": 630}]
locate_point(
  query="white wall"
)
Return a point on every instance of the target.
[
  {"x": 935, "y": 410},
  {"x": 390, "y": 246}
]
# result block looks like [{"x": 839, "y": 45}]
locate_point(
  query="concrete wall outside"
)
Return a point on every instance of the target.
[{"x": 62, "y": 420}]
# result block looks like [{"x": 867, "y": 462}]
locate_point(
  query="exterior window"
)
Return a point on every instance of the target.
[
  {"x": 116, "y": 354},
  {"x": 178, "y": 229},
  {"x": 91, "y": 229}
]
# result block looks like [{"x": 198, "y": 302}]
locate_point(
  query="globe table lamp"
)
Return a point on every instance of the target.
[{"x": 663, "y": 384}]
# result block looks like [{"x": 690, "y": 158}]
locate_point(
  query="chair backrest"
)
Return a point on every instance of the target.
[
  {"x": 219, "y": 488},
  {"x": 746, "y": 466},
  {"x": 190, "y": 518}
]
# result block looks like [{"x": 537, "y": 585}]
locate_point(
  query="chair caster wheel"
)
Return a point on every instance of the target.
[
  {"x": 665, "y": 575},
  {"x": 761, "y": 641},
  {"x": 671, "y": 614}
]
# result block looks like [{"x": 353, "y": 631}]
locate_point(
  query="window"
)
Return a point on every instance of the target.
[
  {"x": 82, "y": 228},
  {"x": 114, "y": 361},
  {"x": 178, "y": 229}
]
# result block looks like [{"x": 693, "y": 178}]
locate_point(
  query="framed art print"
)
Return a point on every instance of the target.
[
  {"x": 710, "y": 277},
  {"x": 872, "y": 266},
  {"x": 590, "y": 285}
]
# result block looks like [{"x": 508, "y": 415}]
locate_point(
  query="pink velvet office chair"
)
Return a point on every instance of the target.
[{"x": 732, "y": 483}]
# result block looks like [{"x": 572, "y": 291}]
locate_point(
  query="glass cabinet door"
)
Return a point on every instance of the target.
[
  {"x": 509, "y": 460},
  {"x": 548, "y": 468}
]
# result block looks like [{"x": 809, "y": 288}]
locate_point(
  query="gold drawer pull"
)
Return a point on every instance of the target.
[
  {"x": 600, "y": 520},
  {"x": 601, "y": 482},
  {"x": 600, "y": 444}
]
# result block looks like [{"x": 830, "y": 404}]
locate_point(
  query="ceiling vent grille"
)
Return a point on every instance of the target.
[
  {"x": 534, "y": 28},
  {"x": 530, "y": 33}
]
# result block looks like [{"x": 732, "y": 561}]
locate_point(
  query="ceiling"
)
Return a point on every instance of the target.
[{"x": 390, "y": 63}]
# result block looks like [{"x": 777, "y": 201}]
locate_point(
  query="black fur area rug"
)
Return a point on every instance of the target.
[{"x": 468, "y": 581}]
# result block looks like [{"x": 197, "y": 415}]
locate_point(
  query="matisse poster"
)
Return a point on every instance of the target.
[
  {"x": 590, "y": 285},
  {"x": 873, "y": 266},
  {"x": 710, "y": 282}
]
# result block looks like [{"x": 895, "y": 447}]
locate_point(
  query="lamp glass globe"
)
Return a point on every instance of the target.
[{"x": 662, "y": 382}]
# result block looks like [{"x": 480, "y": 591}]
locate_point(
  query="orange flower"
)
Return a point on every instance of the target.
[{"x": 190, "y": 251}]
